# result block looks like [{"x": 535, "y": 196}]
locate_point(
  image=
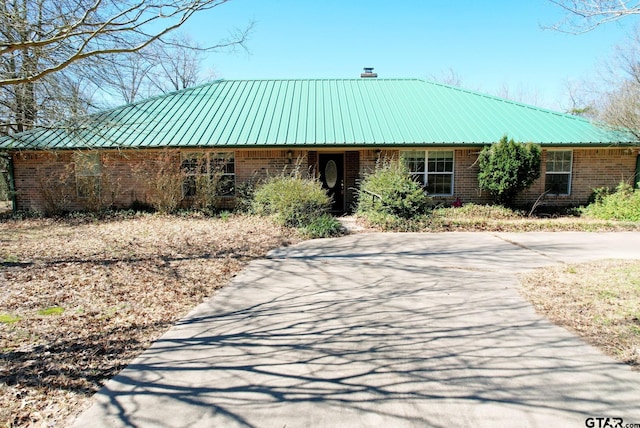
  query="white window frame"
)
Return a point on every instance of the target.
[
  {"x": 569, "y": 173},
  {"x": 204, "y": 159},
  {"x": 426, "y": 173}
]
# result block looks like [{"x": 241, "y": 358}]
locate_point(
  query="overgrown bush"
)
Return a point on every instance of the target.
[
  {"x": 4, "y": 179},
  {"x": 507, "y": 168},
  {"x": 206, "y": 196},
  {"x": 623, "y": 204},
  {"x": 163, "y": 178},
  {"x": 55, "y": 188},
  {"x": 245, "y": 193},
  {"x": 324, "y": 226},
  {"x": 292, "y": 200},
  {"x": 389, "y": 198}
]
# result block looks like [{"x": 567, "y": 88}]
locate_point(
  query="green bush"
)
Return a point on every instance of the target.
[
  {"x": 623, "y": 204},
  {"x": 324, "y": 226},
  {"x": 507, "y": 168},
  {"x": 390, "y": 199},
  {"x": 291, "y": 199},
  {"x": 390, "y": 189}
]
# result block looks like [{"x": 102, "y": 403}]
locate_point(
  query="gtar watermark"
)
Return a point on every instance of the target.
[{"x": 594, "y": 422}]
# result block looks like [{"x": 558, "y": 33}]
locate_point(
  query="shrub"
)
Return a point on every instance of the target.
[
  {"x": 5, "y": 194},
  {"x": 292, "y": 200},
  {"x": 623, "y": 204},
  {"x": 163, "y": 178},
  {"x": 245, "y": 192},
  {"x": 389, "y": 195},
  {"x": 507, "y": 168},
  {"x": 324, "y": 226},
  {"x": 55, "y": 189}
]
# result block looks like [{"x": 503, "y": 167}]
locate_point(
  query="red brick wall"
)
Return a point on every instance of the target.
[
  {"x": 124, "y": 171},
  {"x": 592, "y": 168},
  {"x": 37, "y": 174}
]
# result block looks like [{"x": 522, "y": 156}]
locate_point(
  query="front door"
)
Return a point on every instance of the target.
[{"x": 331, "y": 166}]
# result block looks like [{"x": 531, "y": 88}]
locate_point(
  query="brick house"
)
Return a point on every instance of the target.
[{"x": 334, "y": 128}]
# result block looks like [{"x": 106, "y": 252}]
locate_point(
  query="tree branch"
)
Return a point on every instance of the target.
[
  {"x": 99, "y": 29},
  {"x": 585, "y": 15}
]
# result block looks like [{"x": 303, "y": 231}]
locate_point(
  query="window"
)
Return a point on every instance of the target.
[
  {"x": 88, "y": 172},
  {"x": 433, "y": 169},
  {"x": 222, "y": 166},
  {"x": 216, "y": 166},
  {"x": 558, "y": 173}
]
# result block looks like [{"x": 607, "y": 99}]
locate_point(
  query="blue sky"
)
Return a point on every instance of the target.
[{"x": 489, "y": 44}]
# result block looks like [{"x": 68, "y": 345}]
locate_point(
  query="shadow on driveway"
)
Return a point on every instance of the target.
[{"x": 372, "y": 330}]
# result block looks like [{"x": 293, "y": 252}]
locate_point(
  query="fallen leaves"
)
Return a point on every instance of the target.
[{"x": 119, "y": 284}]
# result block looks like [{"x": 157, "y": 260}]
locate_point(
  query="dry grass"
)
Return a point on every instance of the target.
[
  {"x": 472, "y": 217},
  {"x": 599, "y": 301},
  {"x": 493, "y": 218},
  {"x": 80, "y": 299}
]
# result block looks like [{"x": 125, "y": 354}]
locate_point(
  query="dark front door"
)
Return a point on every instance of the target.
[{"x": 331, "y": 167}]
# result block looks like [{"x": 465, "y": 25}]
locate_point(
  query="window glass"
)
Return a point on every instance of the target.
[
  {"x": 558, "y": 172},
  {"x": 414, "y": 161},
  {"x": 433, "y": 169},
  {"x": 218, "y": 166},
  {"x": 439, "y": 184},
  {"x": 558, "y": 161}
]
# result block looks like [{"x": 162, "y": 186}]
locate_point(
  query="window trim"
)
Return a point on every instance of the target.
[
  {"x": 569, "y": 173},
  {"x": 425, "y": 174}
]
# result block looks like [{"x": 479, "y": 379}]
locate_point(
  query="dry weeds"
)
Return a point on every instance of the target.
[
  {"x": 121, "y": 284},
  {"x": 599, "y": 301}
]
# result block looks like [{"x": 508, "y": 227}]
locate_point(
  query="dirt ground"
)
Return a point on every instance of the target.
[{"x": 81, "y": 298}]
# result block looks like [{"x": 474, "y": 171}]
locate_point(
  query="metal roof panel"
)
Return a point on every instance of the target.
[{"x": 322, "y": 112}]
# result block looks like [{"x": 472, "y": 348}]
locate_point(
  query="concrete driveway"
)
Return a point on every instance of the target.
[{"x": 393, "y": 330}]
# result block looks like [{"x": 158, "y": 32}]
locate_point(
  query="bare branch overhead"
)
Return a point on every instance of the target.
[
  {"x": 59, "y": 33},
  {"x": 584, "y": 15}
]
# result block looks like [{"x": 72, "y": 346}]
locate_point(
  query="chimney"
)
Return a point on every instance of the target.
[{"x": 368, "y": 73}]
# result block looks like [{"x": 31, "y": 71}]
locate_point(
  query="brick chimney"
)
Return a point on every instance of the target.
[{"x": 368, "y": 73}]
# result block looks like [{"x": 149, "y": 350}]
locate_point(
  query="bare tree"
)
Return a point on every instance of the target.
[
  {"x": 124, "y": 77},
  {"x": 45, "y": 36},
  {"x": 581, "y": 100},
  {"x": 180, "y": 67},
  {"x": 621, "y": 108},
  {"x": 585, "y": 15},
  {"x": 618, "y": 103},
  {"x": 49, "y": 50},
  {"x": 448, "y": 77},
  {"x": 521, "y": 94},
  {"x": 159, "y": 68}
]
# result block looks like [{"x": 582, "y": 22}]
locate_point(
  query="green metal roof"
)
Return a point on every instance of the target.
[{"x": 327, "y": 112}]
